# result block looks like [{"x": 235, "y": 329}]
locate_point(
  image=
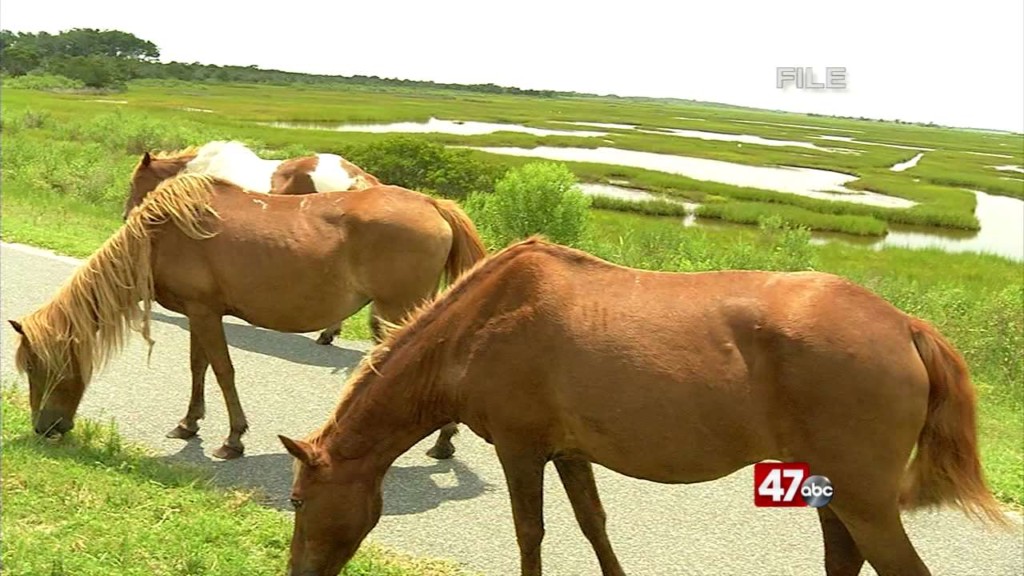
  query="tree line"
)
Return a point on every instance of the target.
[{"x": 110, "y": 58}]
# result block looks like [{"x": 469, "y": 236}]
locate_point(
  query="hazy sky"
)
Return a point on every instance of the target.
[{"x": 961, "y": 64}]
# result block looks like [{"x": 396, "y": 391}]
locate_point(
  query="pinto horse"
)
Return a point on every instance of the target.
[
  {"x": 551, "y": 354},
  {"x": 206, "y": 248},
  {"x": 233, "y": 161}
]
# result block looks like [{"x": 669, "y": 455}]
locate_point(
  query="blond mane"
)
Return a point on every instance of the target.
[
  {"x": 414, "y": 322},
  {"x": 87, "y": 320}
]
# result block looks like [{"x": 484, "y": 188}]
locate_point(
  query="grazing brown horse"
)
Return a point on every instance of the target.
[
  {"x": 206, "y": 248},
  {"x": 549, "y": 353},
  {"x": 234, "y": 162}
]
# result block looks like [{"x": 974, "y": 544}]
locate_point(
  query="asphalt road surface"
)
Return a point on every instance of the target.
[{"x": 459, "y": 509}]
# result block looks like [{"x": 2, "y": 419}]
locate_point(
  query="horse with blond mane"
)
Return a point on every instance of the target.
[
  {"x": 551, "y": 354},
  {"x": 207, "y": 248},
  {"x": 235, "y": 162}
]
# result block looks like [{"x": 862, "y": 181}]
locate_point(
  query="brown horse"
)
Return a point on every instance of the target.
[
  {"x": 549, "y": 353},
  {"x": 206, "y": 248},
  {"x": 233, "y": 161}
]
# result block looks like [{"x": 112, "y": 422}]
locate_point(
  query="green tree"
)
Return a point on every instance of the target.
[
  {"x": 93, "y": 71},
  {"x": 97, "y": 57},
  {"x": 19, "y": 59},
  {"x": 536, "y": 198}
]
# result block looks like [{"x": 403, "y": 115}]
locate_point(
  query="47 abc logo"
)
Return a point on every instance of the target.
[{"x": 789, "y": 484}]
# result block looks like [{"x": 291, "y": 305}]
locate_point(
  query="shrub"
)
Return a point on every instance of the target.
[
  {"x": 536, "y": 198},
  {"x": 13, "y": 122},
  {"x": 38, "y": 81},
  {"x": 82, "y": 170},
  {"x": 420, "y": 164}
]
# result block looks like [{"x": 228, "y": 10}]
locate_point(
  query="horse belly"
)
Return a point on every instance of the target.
[
  {"x": 665, "y": 427},
  {"x": 668, "y": 448},
  {"x": 288, "y": 290}
]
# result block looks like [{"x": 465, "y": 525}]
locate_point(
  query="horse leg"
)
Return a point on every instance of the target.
[
  {"x": 210, "y": 331},
  {"x": 189, "y": 425},
  {"x": 578, "y": 480},
  {"x": 879, "y": 534},
  {"x": 842, "y": 557},
  {"x": 524, "y": 474},
  {"x": 328, "y": 334},
  {"x": 867, "y": 476},
  {"x": 444, "y": 449}
]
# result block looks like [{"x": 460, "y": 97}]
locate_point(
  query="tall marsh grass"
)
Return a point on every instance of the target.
[{"x": 753, "y": 212}]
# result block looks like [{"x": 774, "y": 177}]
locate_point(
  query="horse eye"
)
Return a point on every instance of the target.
[{"x": 296, "y": 503}]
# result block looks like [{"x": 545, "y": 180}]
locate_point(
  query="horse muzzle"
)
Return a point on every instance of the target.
[{"x": 50, "y": 424}]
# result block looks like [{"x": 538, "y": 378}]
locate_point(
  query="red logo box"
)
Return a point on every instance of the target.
[{"x": 777, "y": 484}]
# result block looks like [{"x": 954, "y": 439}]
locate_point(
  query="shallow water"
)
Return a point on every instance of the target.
[
  {"x": 901, "y": 166},
  {"x": 620, "y": 192},
  {"x": 855, "y": 141},
  {"x": 821, "y": 184},
  {"x": 990, "y": 154},
  {"x": 704, "y": 135},
  {"x": 598, "y": 124},
  {"x": 1002, "y": 231},
  {"x": 463, "y": 128},
  {"x": 1009, "y": 168},
  {"x": 743, "y": 138}
]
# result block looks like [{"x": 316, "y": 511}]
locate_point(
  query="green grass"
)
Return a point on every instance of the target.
[
  {"x": 752, "y": 212},
  {"x": 95, "y": 504},
  {"x": 652, "y": 207}
]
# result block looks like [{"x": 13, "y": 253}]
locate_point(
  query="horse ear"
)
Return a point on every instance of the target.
[
  {"x": 17, "y": 327},
  {"x": 146, "y": 159},
  {"x": 300, "y": 449}
]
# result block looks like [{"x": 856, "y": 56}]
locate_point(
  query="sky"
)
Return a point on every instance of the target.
[{"x": 958, "y": 65}]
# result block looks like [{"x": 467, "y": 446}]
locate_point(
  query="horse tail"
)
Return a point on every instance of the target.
[
  {"x": 946, "y": 468},
  {"x": 467, "y": 246}
]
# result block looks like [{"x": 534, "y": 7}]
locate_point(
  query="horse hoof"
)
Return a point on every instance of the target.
[
  {"x": 226, "y": 452},
  {"x": 325, "y": 339},
  {"x": 441, "y": 452},
  {"x": 182, "y": 433}
]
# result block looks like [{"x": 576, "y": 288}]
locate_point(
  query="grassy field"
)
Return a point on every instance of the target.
[
  {"x": 134, "y": 515},
  {"x": 67, "y": 160},
  {"x": 951, "y": 163}
]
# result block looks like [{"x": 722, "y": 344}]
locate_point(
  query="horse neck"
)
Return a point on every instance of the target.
[
  {"x": 98, "y": 305},
  {"x": 393, "y": 405},
  {"x": 169, "y": 167},
  {"x": 417, "y": 386}
]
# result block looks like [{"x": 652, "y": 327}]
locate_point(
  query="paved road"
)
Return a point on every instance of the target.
[{"x": 459, "y": 509}]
